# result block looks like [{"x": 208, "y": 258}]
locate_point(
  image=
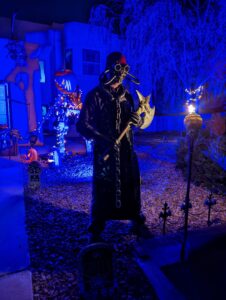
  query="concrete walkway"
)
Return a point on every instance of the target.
[
  {"x": 154, "y": 254},
  {"x": 15, "y": 279}
]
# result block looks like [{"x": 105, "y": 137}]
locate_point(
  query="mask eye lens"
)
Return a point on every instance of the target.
[
  {"x": 126, "y": 68},
  {"x": 117, "y": 67}
]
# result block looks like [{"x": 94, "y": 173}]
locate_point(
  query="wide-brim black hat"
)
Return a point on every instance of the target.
[{"x": 115, "y": 58}]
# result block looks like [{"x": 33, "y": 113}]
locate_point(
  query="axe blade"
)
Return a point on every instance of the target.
[{"x": 145, "y": 109}]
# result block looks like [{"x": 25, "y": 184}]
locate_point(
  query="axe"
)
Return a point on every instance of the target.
[{"x": 147, "y": 113}]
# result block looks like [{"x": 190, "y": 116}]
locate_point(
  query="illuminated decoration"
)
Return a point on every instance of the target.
[
  {"x": 193, "y": 123},
  {"x": 62, "y": 130},
  {"x": 65, "y": 82},
  {"x": 59, "y": 112},
  {"x": 191, "y": 108},
  {"x": 67, "y": 104},
  {"x": 193, "y": 96},
  {"x": 89, "y": 145},
  {"x": 54, "y": 157}
]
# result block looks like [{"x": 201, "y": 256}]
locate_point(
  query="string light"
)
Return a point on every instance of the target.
[
  {"x": 196, "y": 91},
  {"x": 67, "y": 103},
  {"x": 193, "y": 96}
]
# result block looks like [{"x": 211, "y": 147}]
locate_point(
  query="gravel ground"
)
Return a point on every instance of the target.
[{"x": 58, "y": 215}]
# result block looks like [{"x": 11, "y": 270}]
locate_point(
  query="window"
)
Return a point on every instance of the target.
[
  {"x": 91, "y": 62},
  {"x": 4, "y": 105},
  {"x": 42, "y": 72},
  {"x": 68, "y": 59}
]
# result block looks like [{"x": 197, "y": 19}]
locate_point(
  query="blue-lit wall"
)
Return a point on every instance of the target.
[
  {"x": 19, "y": 109},
  {"x": 6, "y": 64},
  {"x": 50, "y": 46},
  {"x": 49, "y": 52},
  {"x": 78, "y": 36}
]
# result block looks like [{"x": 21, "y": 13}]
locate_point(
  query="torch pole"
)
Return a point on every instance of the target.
[
  {"x": 193, "y": 123},
  {"x": 187, "y": 203}
]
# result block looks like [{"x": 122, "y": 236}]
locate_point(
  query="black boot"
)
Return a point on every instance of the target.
[
  {"x": 95, "y": 238},
  {"x": 95, "y": 229},
  {"x": 139, "y": 228}
]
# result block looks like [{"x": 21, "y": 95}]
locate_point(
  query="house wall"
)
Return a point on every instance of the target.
[
  {"x": 78, "y": 36},
  {"x": 17, "y": 82}
]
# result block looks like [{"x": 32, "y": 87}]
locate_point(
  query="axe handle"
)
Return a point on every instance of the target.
[
  {"x": 139, "y": 111},
  {"x": 123, "y": 133},
  {"x": 106, "y": 156}
]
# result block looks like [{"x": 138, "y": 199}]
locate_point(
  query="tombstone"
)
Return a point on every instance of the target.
[
  {"x": 96, "y": 274},
  {"x": 34, "y": 171}
]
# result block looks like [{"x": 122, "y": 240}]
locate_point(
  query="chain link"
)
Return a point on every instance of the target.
[{"x": 118, "y": 203}]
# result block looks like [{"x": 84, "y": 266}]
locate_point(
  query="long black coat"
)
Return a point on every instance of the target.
[{"x": 103, "y": 117}]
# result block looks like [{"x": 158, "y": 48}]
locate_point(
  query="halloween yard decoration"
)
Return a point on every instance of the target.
[
  {"x": 34, "y": 172},
  {"x": 67, "y": 105},
  {"x": 193, "y": 123},
  {"x": 107, "y": 117},
  {"x": 96, "y": 272},
  {"x": 144, "y": 108}
]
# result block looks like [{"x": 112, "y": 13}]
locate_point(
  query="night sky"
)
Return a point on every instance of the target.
[{"x": 48, "y": 11}]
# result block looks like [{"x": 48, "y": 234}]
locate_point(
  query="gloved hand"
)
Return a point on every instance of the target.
[{"x": 135, "y": 119}]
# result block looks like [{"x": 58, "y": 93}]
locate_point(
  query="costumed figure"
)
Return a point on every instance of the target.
[
  {"x": 107, "y": 111},
  {"x": 32, "y": 152}
]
